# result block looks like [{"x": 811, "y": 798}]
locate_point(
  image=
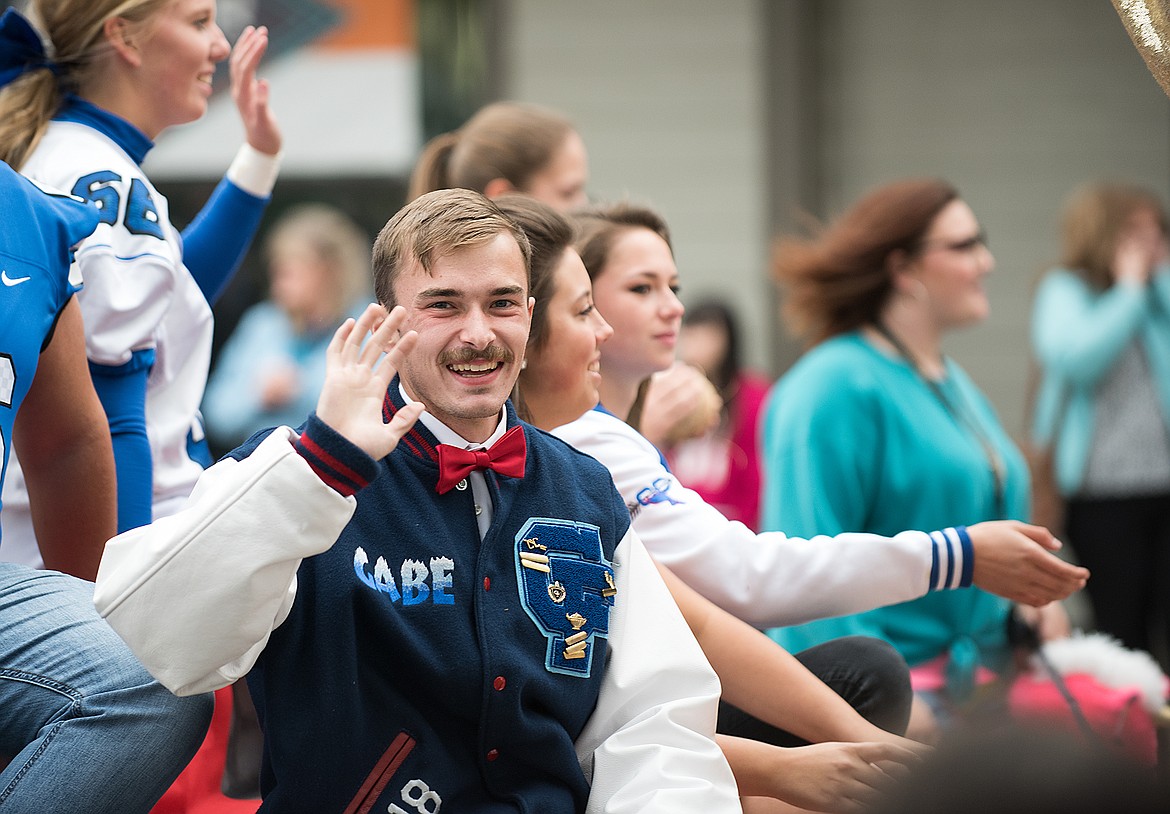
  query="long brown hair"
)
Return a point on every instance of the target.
[
  {"x": 550, "y": 234},
  {"x": 840, "y": 280}
]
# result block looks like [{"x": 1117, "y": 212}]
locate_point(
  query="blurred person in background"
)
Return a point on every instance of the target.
[
  {"x": 515, "y": 147},
  {"x": 875, "y": 428},
  {"x": 724, "y": 464},
  {"x": 1101, "y": 335},
  {"x": 837, "y": 767},
  {"x": 270, "y": 370},
  {"x": 770, "y": 579},
  {"x": 508, "y": 147}
]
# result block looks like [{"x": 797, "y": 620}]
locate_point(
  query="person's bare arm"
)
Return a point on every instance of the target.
[
  {"x": 765, "y": 680},
  {"x": 850, "y": 760},
  {"x": 63, "y": 442}
]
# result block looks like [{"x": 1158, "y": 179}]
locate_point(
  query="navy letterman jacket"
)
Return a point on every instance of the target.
[
  {"x": 418, "y": 655},
  {"x": 400, "y": 663}
]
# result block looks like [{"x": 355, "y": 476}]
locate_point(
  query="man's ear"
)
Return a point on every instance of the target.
[
  {"x": 497, "y": 187},
  {"x": 121, "y": 35}
]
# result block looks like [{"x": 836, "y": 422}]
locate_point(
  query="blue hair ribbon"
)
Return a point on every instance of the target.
[{"x": 21, "y": 49}]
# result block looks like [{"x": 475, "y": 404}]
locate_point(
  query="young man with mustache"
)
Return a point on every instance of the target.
[{"x": 452, "y": 610}]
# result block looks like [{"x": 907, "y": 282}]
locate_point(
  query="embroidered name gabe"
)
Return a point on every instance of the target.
[{"x": 412, "y": 587}]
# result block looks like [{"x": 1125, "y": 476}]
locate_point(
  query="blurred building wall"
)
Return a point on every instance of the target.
[
  {"x": 730, "y": 116},
  {"x": 669, "y": 99},
  {"x": 344, "y": 79}
]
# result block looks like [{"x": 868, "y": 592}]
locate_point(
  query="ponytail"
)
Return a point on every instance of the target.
[
  {"x": 33, "y": 84},
  {"x": 431, "y": 172},
  {"x": 29, "y": 91}
]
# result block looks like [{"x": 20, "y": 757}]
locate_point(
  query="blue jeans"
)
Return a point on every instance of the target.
[{"x": 87, "y": 729}]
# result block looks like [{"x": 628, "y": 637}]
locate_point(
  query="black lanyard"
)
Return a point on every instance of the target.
[{"x": 960, "y": 414}]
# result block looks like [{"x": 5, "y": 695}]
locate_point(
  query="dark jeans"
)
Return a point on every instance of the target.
[
  {"x": 868, "y": 673},
  {"x": 1125, "y": 544}
]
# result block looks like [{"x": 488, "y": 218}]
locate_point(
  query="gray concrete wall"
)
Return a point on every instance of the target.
[
  {"x": 668, "y": 96},
  {"x": 725, "y": 114},
  {"x": 1016, "y": 103}
]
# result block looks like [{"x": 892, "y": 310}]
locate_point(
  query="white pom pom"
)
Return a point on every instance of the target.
[{"x": 1103, "y": 657}]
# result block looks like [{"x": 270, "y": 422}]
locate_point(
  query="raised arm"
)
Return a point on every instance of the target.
[
  {"x": 1078, "y": 333},
  {"x": 197, "y": 594},
  {"x": 64, "y": 446},
  {"x": 214, "y": 243}
]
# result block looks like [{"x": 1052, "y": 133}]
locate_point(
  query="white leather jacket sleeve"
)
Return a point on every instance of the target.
[
  {"x": 197, "y": 594},
  {"x": 649, "y": 745},
  {"x": 767, "y": 579}
]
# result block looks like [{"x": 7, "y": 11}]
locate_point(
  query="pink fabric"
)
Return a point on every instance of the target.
[
  {"x": 732, "y": 486},
  {"x": 931, "y": 676},
  {"x": 1117, "y": 715}
]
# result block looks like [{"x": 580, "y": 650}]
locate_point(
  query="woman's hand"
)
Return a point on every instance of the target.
[
  {"x": 828, "y": 777},
  {"x": 251, "y": 94},
  {"x": 680, "y": 403},
  {"x": 1136, "y": 256},
  {"x": 1015, "y": 560}
]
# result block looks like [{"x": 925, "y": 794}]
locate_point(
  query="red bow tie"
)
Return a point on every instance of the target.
[{"x": 505, "y": 456}]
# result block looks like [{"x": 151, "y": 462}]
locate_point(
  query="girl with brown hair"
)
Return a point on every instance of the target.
[
  {"x": 508, "y": 147},
  {"x": 839, "y": 769}
]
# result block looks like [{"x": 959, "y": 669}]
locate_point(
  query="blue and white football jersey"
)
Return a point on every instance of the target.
[
  {"x": 37, "y": 233},
  {"x": 141, "y": 305}
]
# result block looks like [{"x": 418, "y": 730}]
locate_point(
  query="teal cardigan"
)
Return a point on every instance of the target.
[
  {"x": 855, "y": 440},
  {"x": 1077, "y": 334}
]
